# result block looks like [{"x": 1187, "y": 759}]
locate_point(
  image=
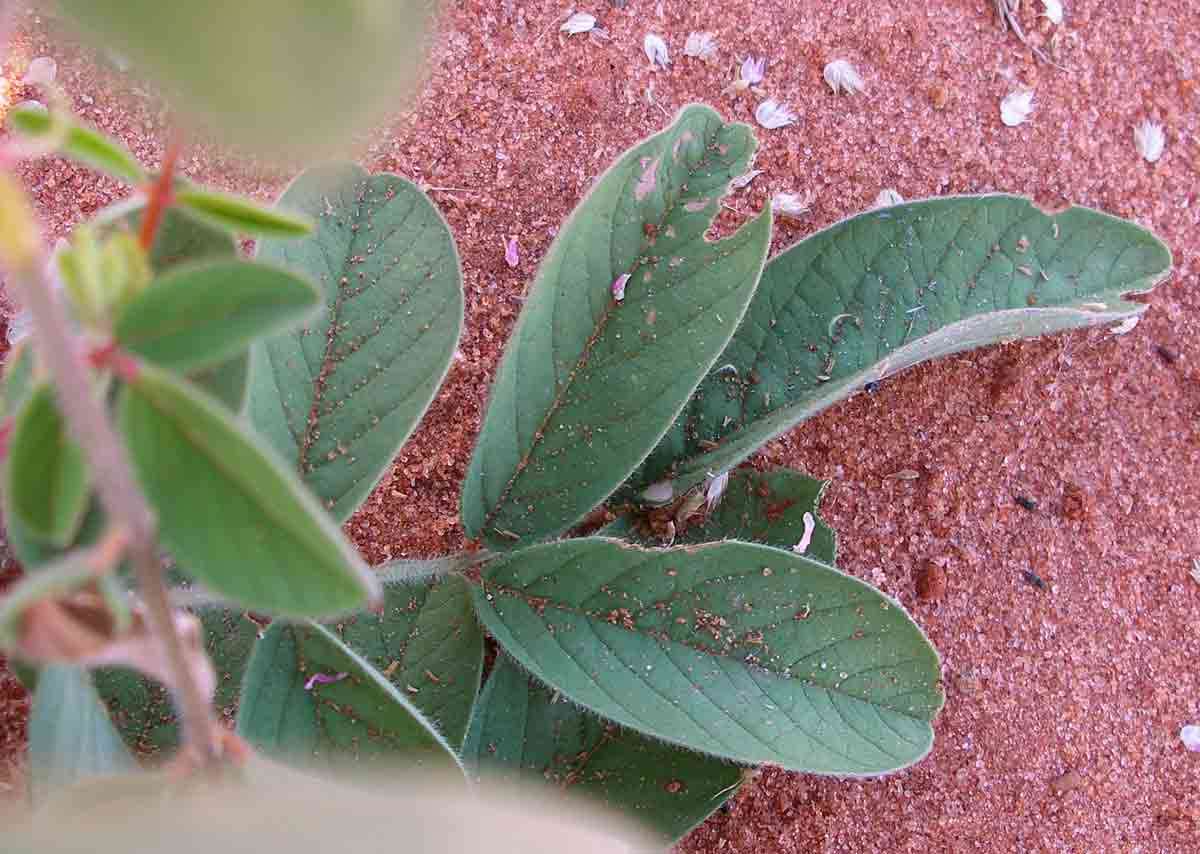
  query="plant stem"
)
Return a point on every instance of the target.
[
  {"x": 160, "y": 194},
  {"x": 118, "y": 490}
]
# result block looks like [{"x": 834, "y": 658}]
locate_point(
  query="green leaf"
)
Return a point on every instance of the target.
[
  {"x": 278, "y": 76},
  {"x": 339, "y": 399},
  {"x": 200, "y": 316},
  {"x": 81, "y": 143},
  {"x": 47, "y": 484},
  {"x": 734, "y": 649},
  {"x": 70, "y": 735},
  {"x": 588, "y": 383},
  {"x": 240, "y": 215},
  {"x": 35, "y": 553},
  {"x": 427, "y": 644},
  {"x": 890, "y": 288},
  {"x": 229, "y": 510},
  {"x": 522, "y": 731},
  {"x": 142, "y": 709},
  {"x": 182, "y": 239},
  {"x": 18, "y": 379},
  {"x": 308, "y": 699}
]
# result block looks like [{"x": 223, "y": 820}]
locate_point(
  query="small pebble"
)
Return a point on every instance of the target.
[{"x": 931, "y": 582}]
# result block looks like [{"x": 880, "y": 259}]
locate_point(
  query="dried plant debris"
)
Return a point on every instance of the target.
[
  {"x": 1006, "y": 10},
  {"x": 843, "y": 77},
  {"x": 1149, "y": 139},
  {"x": 1125, "y": 326},
  {"x": 744, "y": 180},
  {"x": 1017, "y": 107},
  {"x": 771, "y": 114}
]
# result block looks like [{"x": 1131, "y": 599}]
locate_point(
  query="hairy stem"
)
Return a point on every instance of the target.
[{"x": 118, "y": 490}]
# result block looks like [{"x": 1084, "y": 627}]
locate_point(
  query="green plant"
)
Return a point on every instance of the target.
[{"x": 239, "y": 410}]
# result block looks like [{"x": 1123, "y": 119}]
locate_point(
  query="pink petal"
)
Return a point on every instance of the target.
[
  {"x": 511, "y": 256},
  {"x": 323, "y": 679},
  {"x": 618, "y": 287}
]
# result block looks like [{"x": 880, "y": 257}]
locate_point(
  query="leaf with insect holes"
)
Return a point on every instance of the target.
[
  {"x": 891, "y": 288},
  {"x": 734, "y": 649},
  {"x": 310, "y": 700},
  {"x": 47, "y": 483},
  {"x": 590, "y": 379},
  {"x": 521, "y": 731},
  {"x": 264, "y": 542},
  {"x": 427, "y": 643},
  {"x": 142, "y": 709},
  {"x": 338, "y": 399},
  {"x": 182, "y": 239},
  {"x": 79, "y": 142},
  {"x": 202, "y": 315},
  {"x": 241, "y": 216},
  {"x": 777, "y": 508},
  {"x": 70, "y": 736}
]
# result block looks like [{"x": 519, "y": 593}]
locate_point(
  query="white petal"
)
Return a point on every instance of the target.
[
  {"x": 743, "y": 180},
  {"x": 810, "y": 525},
  {"x": 1054, "y": 10},
  {"x": 840, "y": 75},
  {"x": 41, "y": 70},
  {"x": 1016, "y": 107},
  {"x": 791, "y": 205},
  {"x": 1149, "y": 139},
  {"x": 702, "y": 46},
  {"x": 656, "y": 50},
  {"x": 716, "y": 489},
  {"x": 580, "y": 22},
  {"x": 659, "y": 493},
  {"x": 753, "y": 69},
  {"x": 1191, "y": 737},
  {"x": 887, "y": 198},
  {"x": 771, "y": 114},
  {"x": 1125, "y": 326}
]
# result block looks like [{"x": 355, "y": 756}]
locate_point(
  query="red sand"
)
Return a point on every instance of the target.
[{"x": 1061, "y": 729}]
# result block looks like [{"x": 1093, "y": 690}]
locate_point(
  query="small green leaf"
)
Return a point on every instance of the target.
[
  {"x": 18, "y": 378},
  {"x": 887, "y": 289},
  {"x": 142, "y": 709},
  {"x": 79, "y": 142},
  {"x": 591, "y": 378},
  {"x": 310, "y": 700},
  {"x": 229, "y": 510},
  {"x": 183, "y": 239},
  {"x": 428, "y": 644},
  {"x": 734, "y": 649},
  {"x": 281, "y": 77},
  {"x": 70, "y": 735},
  {"x": 47, "y": 484},
  {"x": 35, "y": 553},
  {"x": 339, "y": 399},
  {"x": 200, "y": 316},
  {"x": 521, "y": 731},
  {"x": 241, "y": 216}
]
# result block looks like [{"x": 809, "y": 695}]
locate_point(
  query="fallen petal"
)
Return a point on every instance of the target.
[
  {"x": 791, "y": 205},
  {"x": 1016, "y": 107},
  {"x": 715, "y": 490},
  {"x": 42, "y": 70},
  {"x": 323, "y": 679},
  {"x": 580, "y": 22},
  {"x": 512, "y": 256},
  {"x": 702, "y": 46},
  {"x": 1149, "y": 139},
  {"x": 888, "y": 197},
  {"x": 618, "y": 287},
  {"x": 1054, "y": 11},
  {"x": 656, "y": 50},
  {"x": 771, "y": 114},
  {"x": 841, "y": 75},
  {"x": 1190, "y": 735},
  {"x": 753, "y": 70},
  {"x": 1125, "y": 326},
  {"x": 810, "y": 525},
  {"x": 743, "y": 180}
]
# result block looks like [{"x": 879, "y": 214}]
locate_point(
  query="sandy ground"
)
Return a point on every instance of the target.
[{"x": 1061, "y": 729}]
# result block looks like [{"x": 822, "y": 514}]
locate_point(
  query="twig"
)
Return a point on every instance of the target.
[
  {"x": 160, "y": 194},
  {"x": 118, "y": 490},
  {"x": 1008, "y": 20}
]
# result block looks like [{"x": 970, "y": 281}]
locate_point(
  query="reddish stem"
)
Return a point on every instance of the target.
[{"x": 160, "y": 194}]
